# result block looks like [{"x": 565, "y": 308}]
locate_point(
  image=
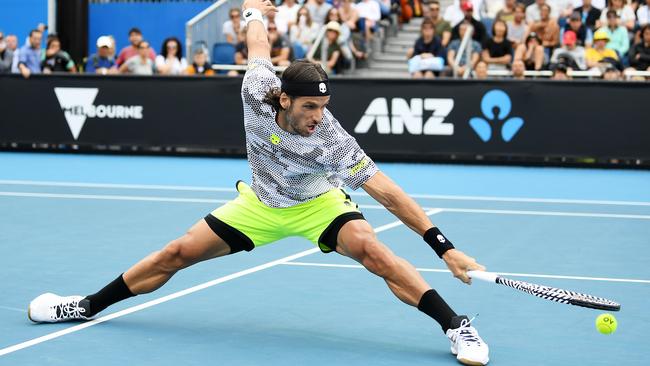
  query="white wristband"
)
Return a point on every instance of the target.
[{"x": 251, "y": 14}]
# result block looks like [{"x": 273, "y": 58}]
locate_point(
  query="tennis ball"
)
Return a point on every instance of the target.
[{"x": 606, "y": 323}]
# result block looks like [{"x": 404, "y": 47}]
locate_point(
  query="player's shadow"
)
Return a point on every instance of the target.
[{"x": 231, "y": 334}]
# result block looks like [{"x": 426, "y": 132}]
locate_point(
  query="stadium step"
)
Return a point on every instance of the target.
[
  {"x": 389, "y": 65},
  {"x": 400, "y": 42},
  {"x": 391, "y": 57},
  {"x": 381, "y": 74}
]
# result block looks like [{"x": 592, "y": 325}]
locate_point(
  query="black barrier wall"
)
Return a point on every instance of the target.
[{"x": 442, "y": 120}]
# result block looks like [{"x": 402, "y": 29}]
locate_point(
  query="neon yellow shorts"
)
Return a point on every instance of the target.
[{"x": 245, "y": 222}]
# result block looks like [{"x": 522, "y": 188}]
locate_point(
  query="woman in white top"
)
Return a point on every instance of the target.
[
  {"x": 170, "y": 61},
  {"x": 304, "y": 31},
  {"x": 624, "y": 11}
]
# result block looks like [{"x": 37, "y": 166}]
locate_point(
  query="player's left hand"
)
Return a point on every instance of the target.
[{"x": 459, "y": 263}]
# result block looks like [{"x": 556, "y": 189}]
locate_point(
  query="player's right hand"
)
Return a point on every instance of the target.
[
  {"x": 459, "y": 263},
  {"x": 265, "y": 6}
]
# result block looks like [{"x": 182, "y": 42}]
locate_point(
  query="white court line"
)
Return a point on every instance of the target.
[
  {"x": 549, "y": 213},
  {"x": 414, "y": 195},
  {"x": 13, "y": 309},
  {"x": 606, "y": 279},
  {"x": 370, "y": 207},
  {"x": 178, "y": 294}
]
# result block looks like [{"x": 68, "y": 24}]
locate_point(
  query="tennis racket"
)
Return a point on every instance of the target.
[{"x": 549, "y": 293}]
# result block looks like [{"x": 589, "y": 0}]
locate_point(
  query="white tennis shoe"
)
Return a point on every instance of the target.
[
  {"x": 466, "y": 344},
  {"x": 51, "y": 308}
]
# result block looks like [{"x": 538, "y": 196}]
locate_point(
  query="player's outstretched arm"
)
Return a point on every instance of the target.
[
  {"x": 257, "y": 40},
  {"x": 391, "y": 196}
]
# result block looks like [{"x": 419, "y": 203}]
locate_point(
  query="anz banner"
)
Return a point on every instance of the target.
[{"x": 406, "y": 120}]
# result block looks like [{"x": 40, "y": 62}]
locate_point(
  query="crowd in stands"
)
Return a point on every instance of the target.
[
  {"x": 558, "y": 35},
  {"x": 294, "y": 31},
  {"x": 604, "y": 36},
  {"x": 138, "y": 58}
]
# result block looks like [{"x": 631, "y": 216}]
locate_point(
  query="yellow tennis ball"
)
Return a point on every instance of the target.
[{"x": 606, "y": 323}]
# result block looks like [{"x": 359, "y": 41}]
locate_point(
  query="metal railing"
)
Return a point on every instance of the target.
[
  {"x": 465, "y": 47},
  {"x": 204, "y": 30},
  {"x": 590, "y": 74}
]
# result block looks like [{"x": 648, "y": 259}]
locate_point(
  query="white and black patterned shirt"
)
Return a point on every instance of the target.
[{"x": 291, "y": 169}]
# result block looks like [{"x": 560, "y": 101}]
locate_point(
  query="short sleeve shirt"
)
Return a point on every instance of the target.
[
  {"x": 497, "y": 49},
  {"x": 291, "y": 169},
  {"x": 434, "y": 47}
]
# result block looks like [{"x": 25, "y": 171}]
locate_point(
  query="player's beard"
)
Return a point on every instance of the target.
[{"x": 295, "y": 123}]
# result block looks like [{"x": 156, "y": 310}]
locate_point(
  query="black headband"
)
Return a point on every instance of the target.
[{"x": 306, "y": 89}]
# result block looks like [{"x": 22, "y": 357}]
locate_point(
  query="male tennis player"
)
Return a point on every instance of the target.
[{"x": 299, "y": 156}]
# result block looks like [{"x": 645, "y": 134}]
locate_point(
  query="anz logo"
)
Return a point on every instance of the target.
[
  {"x": 496, "y": 100},
  {"x": 403, "y": 115}
]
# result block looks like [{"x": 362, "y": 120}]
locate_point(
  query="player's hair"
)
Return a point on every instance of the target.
[{"x": 299, "y": 71}]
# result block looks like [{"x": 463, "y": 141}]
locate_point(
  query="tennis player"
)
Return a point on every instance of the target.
[{"x": 300, "y": 156}]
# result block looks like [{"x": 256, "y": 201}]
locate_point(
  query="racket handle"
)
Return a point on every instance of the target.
[{"x": 483, "y": 276}]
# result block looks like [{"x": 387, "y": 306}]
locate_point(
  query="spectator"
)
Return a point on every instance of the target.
[
  {"x": 6, "y": 56},
  {"x": 590, "y": 15},
  {"x": 599, "y": 55},
  {"x": 534, "y": 12},
  {"x": 369, "y": 14},
  {"x": 200, "y": 66},
  {"x": 443, "y": 28},
  {"x": 12, "y": 42},
  {"x": 455, "y": 14},
  {"x": 318, "y": 10},
  {"x": 334, "y": 15},
  {"x": 280, "y": 49},
  {"x": 305, "y": 31},
  {"x": 643, "y": 14},
  {"x": 135, "y": 38},
  {"x": 333, "y": 53},
  {"x": 570, "y": 54},
  {"x": 481, "y": 71},
  {"x": 141, "y": 63},
  {"x": 531, "y": 53},
  {"x": 287, "y": 15},
  {"x": 611, "y": 73},
  {"x": 349, "y": 14},
  {"x": 562, "y": 8},
  {"x": 640, "y": 52},
  {"x": 518, "y": 70},
  {"x": 102, "y": 62},
  {"x": 344, "y": 32},
  {"x": 12, "y": 45},
  {"x": 583, "y": 33},
  {"x": 464, "y": 62},
  {"x": 29, "y": 56},
  {"x": 624, "y": 12},
  {"x": 54, "y": 59},
  {"x": 480, "y": 34},
  {"x": 241, "y": 50},
  {"x": 426, "y": 56},
  {"x": 489, "y": 9},
  {"x": 111, "y": 50},
  {"x": 560, "y": 72},
  {"x": 507, "y": 13},
  {"x": 517, "y": 28},
  {"x": 233, "y": 25},
  {"x": 618, "y": 39},
  {"x": 498, "y": 50},
  {"x": 273, "y": 18},
  {"x": 171, "y": 60},
  {"x": 547, "y": 28}
]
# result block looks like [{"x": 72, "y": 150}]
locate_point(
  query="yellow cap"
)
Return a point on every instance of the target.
[{"x": 601, "y": 34}]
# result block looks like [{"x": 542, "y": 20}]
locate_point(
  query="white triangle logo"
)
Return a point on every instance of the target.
[{"x": 75, "y": 103}]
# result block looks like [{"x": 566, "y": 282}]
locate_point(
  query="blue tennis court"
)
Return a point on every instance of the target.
[{"x": 72, "y": 223}]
